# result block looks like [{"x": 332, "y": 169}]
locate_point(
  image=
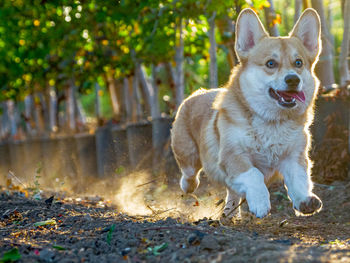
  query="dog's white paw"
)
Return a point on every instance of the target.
[
  {"x": 189, "y": 184},
  {"x": 259, "y": 201},
  {"x": 310, "y": 205},
  {"x": 251, "y": 184}
]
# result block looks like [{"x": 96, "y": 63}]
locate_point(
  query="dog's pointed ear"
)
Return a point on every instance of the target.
[
  {"x": 308, "y": 30},
  {"x": 249, "y": 30}
]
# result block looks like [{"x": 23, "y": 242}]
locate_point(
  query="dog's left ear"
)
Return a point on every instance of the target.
[{"x": 308, "y": 30}]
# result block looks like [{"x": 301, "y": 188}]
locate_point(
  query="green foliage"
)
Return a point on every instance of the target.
[
  {"x": 47, "y": 43},
  {"x": 49, "y": 222},
  {"x": 50, "y": 42},
  {"x": 157, "y": 249},
  {"x": 58, "y": 247},
  {"x": 11, "y": 256},
  {"x": 109, "y": 234}
]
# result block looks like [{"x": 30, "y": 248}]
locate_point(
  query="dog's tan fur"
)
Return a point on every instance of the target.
[{"x": 236, "y": 135}]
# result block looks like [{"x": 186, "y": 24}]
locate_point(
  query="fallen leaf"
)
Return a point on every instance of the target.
[
  {"x": 58, "y": 247},
  {"x": 11, "y": 256},
  {"x": 157, "y": 249},
  {"x": 109, "y": 235},
  {"x": 46, "y": 222}
]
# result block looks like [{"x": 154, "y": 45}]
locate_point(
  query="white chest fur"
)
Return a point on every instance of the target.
[{"x": 272, "y": 142}]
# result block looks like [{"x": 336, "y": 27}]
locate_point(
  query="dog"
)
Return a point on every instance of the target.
[{"x": 256, "y": 128}]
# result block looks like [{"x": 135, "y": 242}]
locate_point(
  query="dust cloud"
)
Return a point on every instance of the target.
[{"x": 134, "y": 193}]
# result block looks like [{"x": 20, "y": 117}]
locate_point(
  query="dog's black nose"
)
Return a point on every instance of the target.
[{"x": 292, "y": 80}]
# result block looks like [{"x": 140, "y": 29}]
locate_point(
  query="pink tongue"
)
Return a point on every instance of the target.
[{"x": 297, "y": 95}]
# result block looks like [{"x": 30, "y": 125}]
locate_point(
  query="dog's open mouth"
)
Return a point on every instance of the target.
[{"x": 287, "y": 98}]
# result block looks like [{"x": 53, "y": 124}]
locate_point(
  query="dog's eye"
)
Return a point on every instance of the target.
[
  {"x": 298, "y": 63},
  {"x": 271, "y": 63}
]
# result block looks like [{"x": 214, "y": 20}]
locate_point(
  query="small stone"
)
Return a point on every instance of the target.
[
  {"x": 224, "y": 240},
  {"x": 126, "y": 251},
  {"x": 88, "y": 217},
  {"x": 46, "y": 255},
  {"x": 132, "y": 242},
  {"x": 210, "y": 243},
  {"x": 174, "y": 257},
  {"x": 195, "y": 238}
]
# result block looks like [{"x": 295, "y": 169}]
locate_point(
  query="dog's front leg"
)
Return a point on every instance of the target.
[
  {"x": 251, "y": 185},
  {"x": 299, "y": 185},
  {"x": 246, "y": 180}
]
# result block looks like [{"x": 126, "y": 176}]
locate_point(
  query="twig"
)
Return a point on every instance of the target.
[
  {"x": 326, "y": 186},
  {"x": 177, "y": 227},
  {"x": 193, "y": 196},
  {"x": 158, "y": 213},
  {"x": 11, "y": 174},
  {"x": 150, "y": 208},
  {"x": 234, "y": 209},
  {"x": 152, "y": 181}
]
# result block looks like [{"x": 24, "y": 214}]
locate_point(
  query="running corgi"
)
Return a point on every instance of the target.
[{"x": 256, "y": 128}]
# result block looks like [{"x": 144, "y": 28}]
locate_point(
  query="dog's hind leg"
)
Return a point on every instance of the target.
[
  {"x": 190, "y": 179},
  {"x": 187, "y": 157}
]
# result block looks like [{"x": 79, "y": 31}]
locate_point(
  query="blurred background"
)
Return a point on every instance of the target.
[{"x": 91, "y": 87}]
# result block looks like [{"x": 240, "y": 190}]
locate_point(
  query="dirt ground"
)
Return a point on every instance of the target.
[
  {"x": 93, "y": 229},
  {"x": 141, "y": 217}
]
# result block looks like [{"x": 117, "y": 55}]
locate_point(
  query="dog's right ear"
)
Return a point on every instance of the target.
[{"x": 249, "y": 30}]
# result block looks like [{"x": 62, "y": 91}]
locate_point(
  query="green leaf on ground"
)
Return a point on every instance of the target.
[
  {"x": 109, "y": 235},
  {"x": 46, "y": 222},
  {"x": 11, "y": 256},
  {"x": 157, "y": 249},
  {"x": 58, "y": 247}
]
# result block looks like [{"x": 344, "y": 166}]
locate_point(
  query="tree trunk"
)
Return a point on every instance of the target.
[
  {"x": 286, "y": 25},
  {"x": 120, "y": 96},
  {"x": 306, "y": 4},
  {"x": 343, "y": 59},
  {"x": 45, "y": 111},
  {"x": 71, "y": 107},
  {"x": 226, "y": 26},
  {"x": 52, "y": 109},
  {"x": 38, "y": 113},
  {"x": 270, "y": 15},
  {"x": 324, "y": 67},
  {"x": 155, "y": 111},
  {"x": 141, "y": 75},
  {"x": 297, "y": 9},
  {"x": 80, "y": 116},
  {"x": 11, "y": 111},
  {"x": 179, "y": 60},
  {"x": 98, "y": 111},
  {"x": 127, "y": 99},
  {"x": 137, "y": 109},
  {"x": 329, "y": 25},
  {"x": 4, "y": 121},
  {"x": 212, "y": 53},
  {"x": 28, "y": 114},
  {"x": 172, "y": 78},
  {"x": 157, "y": 135},
  {"x": 113, "y": 95}
]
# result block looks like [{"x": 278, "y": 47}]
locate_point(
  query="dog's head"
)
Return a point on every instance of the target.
[{"x": 276, "y": 77}]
